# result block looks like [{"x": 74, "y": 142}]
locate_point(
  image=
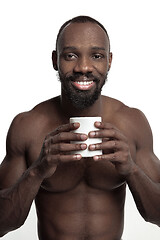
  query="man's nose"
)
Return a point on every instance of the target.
[{"x": 83, "y": 65}]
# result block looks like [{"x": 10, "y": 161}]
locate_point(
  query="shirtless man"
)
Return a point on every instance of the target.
[{"x": 79, "y": 198}]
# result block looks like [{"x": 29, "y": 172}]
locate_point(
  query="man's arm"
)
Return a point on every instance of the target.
[
  {"x": 144, "y": 180},
  {"x": 142, "y": 173},
  {"x": 145, "y": 187},
  {"x": 20, "y": 185},
  {"x": 16, "y": 201}
]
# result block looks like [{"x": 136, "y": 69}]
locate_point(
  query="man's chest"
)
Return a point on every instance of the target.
[{"x": 97, "y": 174}]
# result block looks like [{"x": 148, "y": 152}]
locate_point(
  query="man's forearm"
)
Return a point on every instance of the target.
[
  {"x": 146, "y": 194},
  {"x": 15, "y": 202}
]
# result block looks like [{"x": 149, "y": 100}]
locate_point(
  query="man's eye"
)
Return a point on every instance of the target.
[
  {"x": 70, "y": 56},
  {"x": 98, "y": 56}
]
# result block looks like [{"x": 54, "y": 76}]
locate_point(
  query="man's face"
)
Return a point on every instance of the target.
[{"x": 83, "y": 62}]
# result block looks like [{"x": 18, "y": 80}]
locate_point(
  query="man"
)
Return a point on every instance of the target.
[{"x": 79, "y": 198}]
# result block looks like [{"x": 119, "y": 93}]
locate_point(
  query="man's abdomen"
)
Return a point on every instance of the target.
[{"x": 81, "y": 213}]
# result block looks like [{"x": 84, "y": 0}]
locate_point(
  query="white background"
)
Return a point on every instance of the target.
[{"x": 28, "y": 30}]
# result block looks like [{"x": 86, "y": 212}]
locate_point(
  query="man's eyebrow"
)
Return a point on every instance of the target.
[
  {"x": 69, "y": 48},
  {"x": 92, "y": 48},
  {"x": 98, "y": 48}
]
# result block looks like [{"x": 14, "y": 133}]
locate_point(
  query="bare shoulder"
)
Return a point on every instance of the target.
[
  {"x": 27, "y": 124},
  {"x": 40, "y": 112},
  {"x": 131, "y": 121},
  {"x": 27, "y": 128}
]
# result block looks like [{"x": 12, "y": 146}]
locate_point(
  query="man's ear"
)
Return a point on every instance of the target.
[
  {"x": 54, "y": 60},
  {"x": 110, "y": 61}
]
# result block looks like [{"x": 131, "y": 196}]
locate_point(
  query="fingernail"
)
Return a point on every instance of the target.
[
  {"x": 77, "y": 157},
  {"x": 83, "y": 137},
  {"x": 83, "y": 146},
  {"x": 98, "y": 123},
  {"x": 92, "y": 134},
  {"x": 95, "y": 158},
  {"x": 76, "y": 124},
  {"x": 92, "y": 147}
]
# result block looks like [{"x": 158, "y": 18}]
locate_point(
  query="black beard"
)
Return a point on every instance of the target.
[{"x": 81, "y": 99}]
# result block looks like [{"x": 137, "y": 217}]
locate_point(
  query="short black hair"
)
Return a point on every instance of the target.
[{"x": 81, "y": 19}]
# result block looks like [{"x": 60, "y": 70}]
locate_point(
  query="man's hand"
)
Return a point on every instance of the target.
[
  {"x": 115, "y": 147},
  {"x": 57, "y": 149}
]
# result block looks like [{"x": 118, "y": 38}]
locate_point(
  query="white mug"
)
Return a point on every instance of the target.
[{"x": 87, "y": 125}]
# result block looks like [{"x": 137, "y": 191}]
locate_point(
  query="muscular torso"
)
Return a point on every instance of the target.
[{"x": 83, "y": 199}]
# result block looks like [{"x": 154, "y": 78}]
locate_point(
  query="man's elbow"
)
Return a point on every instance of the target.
[
  {"x": 154, "y": 219},
  {"x": 4, "y": 231}
]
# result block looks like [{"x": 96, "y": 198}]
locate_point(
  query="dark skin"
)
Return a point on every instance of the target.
[{"x": 79, "y": 198}]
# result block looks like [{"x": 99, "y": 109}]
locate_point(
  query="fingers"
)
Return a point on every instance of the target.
[
  {"x": 58, "y": 144},
  {"x": 104, "y": 125},
  {"x": 113, "y": 145},
  {"x": 61, "y": 143},
  {"x": 116, "y": 157},
  {"x": 65, "y": 128},
  {"x": 112, "y": 138},
  {"x": 57, "y": 148},
  {"x": 107, "y": 131},
  {"x": 58, "y": 158},
  {"x": 113, "y": 151},
  {"x": 67, "y": 137},
  {"x": 65, "y": 148},
  {"x": 60, "y": 152},
  {"x": 64, "y": 134}
]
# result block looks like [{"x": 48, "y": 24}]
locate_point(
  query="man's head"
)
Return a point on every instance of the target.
[
  {"x": 83, "y": 59},
  {"x": 81, "y": 19}
]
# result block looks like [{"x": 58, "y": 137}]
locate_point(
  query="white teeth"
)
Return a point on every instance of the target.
[{"x": 85, "y": 82}]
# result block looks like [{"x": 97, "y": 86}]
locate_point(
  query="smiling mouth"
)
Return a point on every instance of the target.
[{"x": 83, "y": 85}]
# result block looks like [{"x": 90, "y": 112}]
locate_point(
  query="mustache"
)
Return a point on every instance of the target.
[{"x": 76, "y": 76}]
